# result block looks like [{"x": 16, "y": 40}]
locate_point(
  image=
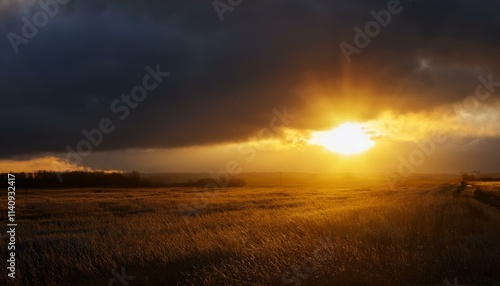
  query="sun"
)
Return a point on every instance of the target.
[{"x": 347, "y": 139}]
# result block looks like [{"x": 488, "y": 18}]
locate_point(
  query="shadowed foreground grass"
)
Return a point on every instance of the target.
[{"x": 421, "y": 234}]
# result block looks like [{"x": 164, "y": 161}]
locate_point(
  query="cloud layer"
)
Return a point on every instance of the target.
[{"x": 226, "y": 77}]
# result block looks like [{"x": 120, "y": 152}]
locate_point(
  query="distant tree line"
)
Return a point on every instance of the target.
[
  {"x": 80, "y": 179},
  {"x": 84, "y": 179},
  {"x": 466, "y": 177}
]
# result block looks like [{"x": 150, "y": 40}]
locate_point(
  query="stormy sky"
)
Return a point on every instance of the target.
[{"x": 230, "y": 64}]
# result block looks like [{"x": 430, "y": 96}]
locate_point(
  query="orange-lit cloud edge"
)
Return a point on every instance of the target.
[
  {"x": 391, "y": 128},
  {"x": 44, "y": 163},
  {"x": 472, "y": 117}
]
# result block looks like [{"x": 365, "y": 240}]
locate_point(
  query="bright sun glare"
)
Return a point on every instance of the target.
[{"x": 347, "y": 139}]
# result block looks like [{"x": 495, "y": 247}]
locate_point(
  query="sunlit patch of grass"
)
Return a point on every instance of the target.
[{"x": 250, "y": 236}]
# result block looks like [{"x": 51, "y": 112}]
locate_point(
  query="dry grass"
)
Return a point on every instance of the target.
[{"x": 420, "y": 235}]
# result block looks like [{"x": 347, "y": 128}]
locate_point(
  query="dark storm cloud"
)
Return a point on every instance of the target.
[{"x": 226, "y": 77}]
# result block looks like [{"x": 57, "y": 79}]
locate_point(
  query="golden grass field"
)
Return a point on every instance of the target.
[{"x": 342, "y": 233}]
